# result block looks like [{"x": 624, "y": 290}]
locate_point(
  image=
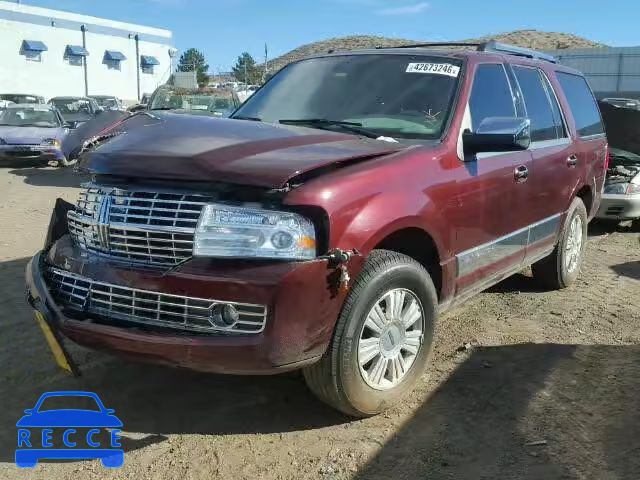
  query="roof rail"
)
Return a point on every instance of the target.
[
  {"x": 498, "y": 47},
  {"x": 433, "y": 44},
  {"x": 491, "y": 46}
]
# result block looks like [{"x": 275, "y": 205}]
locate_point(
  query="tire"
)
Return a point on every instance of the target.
[
  {"x": 554, "y": 271},
  {"x": 338, "y": 378}
]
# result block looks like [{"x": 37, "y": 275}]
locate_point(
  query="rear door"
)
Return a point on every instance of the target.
[
  {"x": 590, "y": 138},
  {"x": 554, "y": 172},
  {"x": 488, "y": 235}
]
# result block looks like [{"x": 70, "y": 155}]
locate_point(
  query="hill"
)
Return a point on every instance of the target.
[{"x": 522, "y": 38}]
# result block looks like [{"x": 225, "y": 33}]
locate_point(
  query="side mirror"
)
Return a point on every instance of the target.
[
  {"x": 29, "y": 411},
  {"x": 99, "y": 110},
  {"x": 498, "y": 134},
  {"x": 71, "y": 125}
]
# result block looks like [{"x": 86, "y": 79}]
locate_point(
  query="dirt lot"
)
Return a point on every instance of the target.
[{"x": 558, "y": 368}]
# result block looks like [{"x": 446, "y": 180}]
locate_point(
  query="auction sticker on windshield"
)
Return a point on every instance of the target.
[{"x": 434, "y": 68}]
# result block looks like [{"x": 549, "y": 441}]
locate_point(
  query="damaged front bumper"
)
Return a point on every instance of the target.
[{"x": 301, "y": 302}]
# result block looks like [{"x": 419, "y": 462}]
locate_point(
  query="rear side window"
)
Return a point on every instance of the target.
[
  {"x": 491, "y": 95},
  {"x": 543, "y": 125},
  {"x": 583, "y": 104}
]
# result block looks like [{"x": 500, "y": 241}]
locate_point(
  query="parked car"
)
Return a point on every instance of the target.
[
  {"x": 143, "y": 105},
  {"x": 201, "y": 101},
  {"x": 21, "y": 98},
  {"x": 324, "y": 227},
  {"x": 108, "y": 102},
  {"x": 76, "y": 110},
  {"x": 621, "y": 195},
  {"x": 623, "y": 102},
  {"x": 31, "y": 133}
]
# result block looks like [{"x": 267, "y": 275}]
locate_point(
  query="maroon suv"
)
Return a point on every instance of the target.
[{"x": 348, "y": 201}]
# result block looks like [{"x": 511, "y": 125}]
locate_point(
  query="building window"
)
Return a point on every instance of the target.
[
  {"x": 112, "y": 64},
  {"x": 75, "y": 54},
  {"x": 113, "y": 59},
  {"x": 33, "y": 56},
  {"x": 32, "y": 50},
  {"x": 147, "y": 63}
]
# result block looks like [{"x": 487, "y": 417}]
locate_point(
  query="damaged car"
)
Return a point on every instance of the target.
[
  {"x": 621, "y": 195},
  {"x": 328, "y": 222}
]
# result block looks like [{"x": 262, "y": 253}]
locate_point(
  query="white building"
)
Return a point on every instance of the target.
[{"x": 53, "y": 53}]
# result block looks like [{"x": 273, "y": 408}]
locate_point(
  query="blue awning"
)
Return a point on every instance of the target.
[
  {"x": 77, "y": 50},
  {"x": 34, "y": 46},
  {"x": 114, "y": 55},
  {"x": 147, "y": 60}
]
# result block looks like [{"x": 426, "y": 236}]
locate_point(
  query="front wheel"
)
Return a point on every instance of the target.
[
  {"x": 382, "y": 339},
  {"x": 562, "y": 267}
]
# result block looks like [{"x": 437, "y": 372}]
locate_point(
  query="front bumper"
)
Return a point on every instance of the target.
[
  {"x": 302, "y": 304},
  {"x": 619, "y": 207},
  {"x": 29, "y": 153}
]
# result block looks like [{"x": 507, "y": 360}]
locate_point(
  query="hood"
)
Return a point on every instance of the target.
[
  {"x": 165, "y": 145},
  {"x": 29, "y": 135}
]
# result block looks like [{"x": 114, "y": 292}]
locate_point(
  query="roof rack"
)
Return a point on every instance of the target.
[
  {"x": 498, "y": 47},
  {"x": 491, "y": 46}
]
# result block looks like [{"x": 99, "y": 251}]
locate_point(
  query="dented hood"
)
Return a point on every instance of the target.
[{"x": 164, "y": 145}]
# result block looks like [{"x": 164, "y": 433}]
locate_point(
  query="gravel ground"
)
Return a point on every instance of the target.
[{"x": 548, "y": 386}]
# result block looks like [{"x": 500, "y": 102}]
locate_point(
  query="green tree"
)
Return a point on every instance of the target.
[
  {"x": 246, "y": 70},
  {"x": 193, "y": 60}
]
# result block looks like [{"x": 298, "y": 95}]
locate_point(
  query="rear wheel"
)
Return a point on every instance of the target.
[
  {"x": 382, "y": 339},
  {"x": 562, "y": 267}
]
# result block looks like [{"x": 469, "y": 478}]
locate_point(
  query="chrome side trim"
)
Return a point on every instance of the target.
[
  {"x": 558, "y": 142},
  {"x": 486, "y": 254}
]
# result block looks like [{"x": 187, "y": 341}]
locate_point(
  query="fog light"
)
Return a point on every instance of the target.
[{"x": 224, "y": 316}]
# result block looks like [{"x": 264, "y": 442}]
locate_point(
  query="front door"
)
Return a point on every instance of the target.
[{"x": 489, "y": 234}]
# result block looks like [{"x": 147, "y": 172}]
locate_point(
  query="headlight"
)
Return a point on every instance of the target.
[
  {"x": 616, "y": 188},
  {"x": 633, "y": 188},
  {"x": 226, "y": 231},
  {"x": 51, "y": 142}
]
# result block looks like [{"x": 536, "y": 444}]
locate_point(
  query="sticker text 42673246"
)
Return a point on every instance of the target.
[{"x": 434, "y": 68}]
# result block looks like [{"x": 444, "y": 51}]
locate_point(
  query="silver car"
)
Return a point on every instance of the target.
[
  {"x": 31, "y": 133},
  {"x": 621, "y": 195}
]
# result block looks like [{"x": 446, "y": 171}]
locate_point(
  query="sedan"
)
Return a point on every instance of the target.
[
  {"x": 76, "y": 110},
  {"x": 32, "y": 134}
]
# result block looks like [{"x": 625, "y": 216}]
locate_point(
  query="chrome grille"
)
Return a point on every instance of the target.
[
  {"x": 140, "y": 226},
  {"x": 158, "y": 309}
]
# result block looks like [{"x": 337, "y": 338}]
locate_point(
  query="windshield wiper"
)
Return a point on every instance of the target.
[
  {"x": 323, "y": 123},
  {"x": 251, "y": 119}
]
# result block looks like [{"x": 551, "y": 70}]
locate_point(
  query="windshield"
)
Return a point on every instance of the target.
[
  {"x": 20, "y": 98},
  {"x": 188, "y": 100},
  {"x": 29, "y": 117},
  {"x": 72, "y": 106},
  {"x": 107, "y": 102},
  {"x": 400, "y": 96}
]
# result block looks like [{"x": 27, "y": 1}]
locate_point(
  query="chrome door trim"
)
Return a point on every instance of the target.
[{"x": 491, "y": 252}]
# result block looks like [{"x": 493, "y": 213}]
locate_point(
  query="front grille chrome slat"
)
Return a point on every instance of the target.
[
  {"x": 135, "y": 225},
  {"x": 144, "y": 307}
]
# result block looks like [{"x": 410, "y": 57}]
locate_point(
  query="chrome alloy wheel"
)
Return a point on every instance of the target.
[
  {"x": 390, "y": 339},
  {"x": 574, "y": 245}
]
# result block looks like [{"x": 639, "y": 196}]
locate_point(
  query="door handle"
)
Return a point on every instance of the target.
[
  {"x": 572, "y": 161},
  {"x": 521, "y": 174}
]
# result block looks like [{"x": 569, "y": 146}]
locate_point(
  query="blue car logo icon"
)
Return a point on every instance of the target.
[{"x": 36, "y": 432}]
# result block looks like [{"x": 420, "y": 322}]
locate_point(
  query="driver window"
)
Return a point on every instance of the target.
[{"x": 491, "y": 95}]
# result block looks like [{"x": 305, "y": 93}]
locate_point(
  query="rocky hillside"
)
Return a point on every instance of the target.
[{"x": 522, "y": 38}]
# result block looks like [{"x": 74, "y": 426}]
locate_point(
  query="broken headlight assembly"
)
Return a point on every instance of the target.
[{"x": 244, "y": 232}]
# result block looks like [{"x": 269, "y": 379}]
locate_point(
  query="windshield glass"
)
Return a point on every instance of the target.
[
  {"x": 106, "y": 102},
  {"x": 66, "y": 402},
  {"x": 204, "y": 101},
  {"x": 72, "y": 106},
  {"x": 29, "y": 117},
  {"x": 20, "y": 98},
  {"x": 400, "y": 96}
]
